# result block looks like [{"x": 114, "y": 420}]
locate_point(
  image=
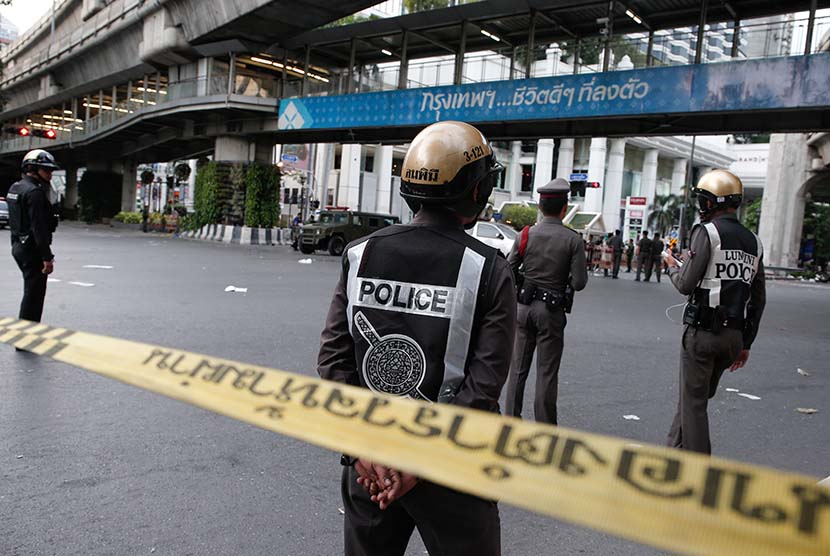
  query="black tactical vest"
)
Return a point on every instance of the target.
[
  {"x": 735, "y": 256},
  {"x": 414, "y": 297},
  {"x": 18, "y": 198}
]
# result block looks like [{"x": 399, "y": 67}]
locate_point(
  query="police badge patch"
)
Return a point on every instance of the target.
[{"x": 394, "y": 364}]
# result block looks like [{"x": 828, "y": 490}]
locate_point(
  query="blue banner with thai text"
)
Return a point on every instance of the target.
[{"x": 773, "y": 83}]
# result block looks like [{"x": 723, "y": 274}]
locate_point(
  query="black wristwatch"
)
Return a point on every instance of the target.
[{"x": 347, "y": 461}]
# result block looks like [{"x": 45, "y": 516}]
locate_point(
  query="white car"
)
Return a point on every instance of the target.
[{"x": 500, "y": 236}]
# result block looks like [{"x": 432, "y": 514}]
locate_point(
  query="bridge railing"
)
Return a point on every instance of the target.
[{"x": 669, "y": 47}]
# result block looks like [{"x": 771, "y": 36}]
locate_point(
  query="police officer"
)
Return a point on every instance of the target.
[
  {"x": 616, "y": 244},
  {"x": 547, "y": 259},
  {"x": 644, "y": 260},
  {"x": 723, "y": 276},
  {"x": 657, "y": 247},
  {"x": 425, "y": 311},
  {"x": 32, "y": 222}
]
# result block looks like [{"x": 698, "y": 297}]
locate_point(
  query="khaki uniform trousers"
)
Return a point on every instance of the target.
[
  {"x": 704, "y": 357},
  {"x": 543, "y": 328}
]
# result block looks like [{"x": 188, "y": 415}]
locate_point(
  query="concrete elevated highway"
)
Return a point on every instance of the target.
[{"x": 130, "y": 81}]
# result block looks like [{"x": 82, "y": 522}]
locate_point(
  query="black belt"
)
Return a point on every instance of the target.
[{"x": 711, "y": 319}]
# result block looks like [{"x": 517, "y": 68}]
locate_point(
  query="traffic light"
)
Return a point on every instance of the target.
[
  {"x": 592, "y": 184},
  {"x": 21, "y": 131},
  {"x": 45, "y": 133}
]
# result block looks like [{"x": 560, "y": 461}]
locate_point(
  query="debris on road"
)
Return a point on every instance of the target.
[
  {"x": 305, "y": 261},
  {"x": 342, "y": 511},
  {"x": 802, "y": 372},
  {"x": 235, "y": 289},
  {"x": 807, "y": 410},
  {"x": 19, "y": 456},
  {"x": 631, "y": 418},
  {"x": 749, "y": 396}
]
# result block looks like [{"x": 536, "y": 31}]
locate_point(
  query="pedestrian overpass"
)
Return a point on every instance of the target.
[{"x": 218, "y": 80}]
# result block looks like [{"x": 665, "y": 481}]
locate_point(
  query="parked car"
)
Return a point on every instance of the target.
[
  {"x": 500, "y": 236},
  {"x": 334, "y": 229},
  {"x": 4, "y": 214}
]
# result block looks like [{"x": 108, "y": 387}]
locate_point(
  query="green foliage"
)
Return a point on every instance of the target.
[
  {"x": 423, "y": 5},
  {"x": 591, "y": 49},
  {"x": 664, "y": 213},
  {"x": 128, "y": 217},
  {"x": 205, "y": 201},
  {"x": 262, "y": 190},
  {"x": 817, "y": 225},
  {"x": 100, "y": 195},
  {"x": 351, "y": 20},
  {"x": 752, "y": 215},
  {"x": 519, "y": 216}
]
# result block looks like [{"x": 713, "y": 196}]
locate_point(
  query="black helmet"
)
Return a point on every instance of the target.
[
  {"x": 39, "y": 158},
  {"x": 445, "y": 161}
]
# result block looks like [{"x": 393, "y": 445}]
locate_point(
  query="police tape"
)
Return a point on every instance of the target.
[{"x": 674, "y": 500}]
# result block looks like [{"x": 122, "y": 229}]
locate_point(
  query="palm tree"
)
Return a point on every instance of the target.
[{"x": 664, "y": 212}]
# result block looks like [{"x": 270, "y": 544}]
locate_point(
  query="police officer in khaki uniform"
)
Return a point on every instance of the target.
[
  {"x": 723, "y": 276},
  {"x": 426, "y": 311},
  {"x": 644, "y": 260},
  {"x": 548, "y": 259}
]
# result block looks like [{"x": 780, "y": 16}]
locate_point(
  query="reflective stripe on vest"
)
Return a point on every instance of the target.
[
  {"x": 727, "y": 265},
  {"x": 456, "y": 304}
]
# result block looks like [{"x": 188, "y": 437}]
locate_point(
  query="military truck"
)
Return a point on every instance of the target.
[{"x": 336, "y": 228}]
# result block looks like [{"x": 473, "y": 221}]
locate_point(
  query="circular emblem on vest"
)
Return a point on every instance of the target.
[{"x": 394, "y": 364}]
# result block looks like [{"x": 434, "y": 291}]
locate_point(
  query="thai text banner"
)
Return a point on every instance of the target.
[{"x": 778, "y": 83}]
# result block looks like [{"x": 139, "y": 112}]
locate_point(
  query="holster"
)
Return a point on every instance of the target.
[{"x": 525, "y": 293}]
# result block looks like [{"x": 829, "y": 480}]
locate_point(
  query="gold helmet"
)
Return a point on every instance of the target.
[
  {"x": 443, "y": 165},
  {"x": 717, "y": 190}
]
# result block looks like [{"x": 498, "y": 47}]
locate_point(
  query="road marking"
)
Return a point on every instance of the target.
[
  {"x": 675, "y": 500},
  {"x": 53, "y": 280},
  {"x": 82, "y": 284},
  {"x": 106, "y": 267}
]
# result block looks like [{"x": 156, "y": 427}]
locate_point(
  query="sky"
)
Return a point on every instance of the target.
[{"x": 25, "y": 13}]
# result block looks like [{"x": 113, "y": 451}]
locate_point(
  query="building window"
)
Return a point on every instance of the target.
[
  {"x": 369, "y": 163},
  {"x": 527, "y": 178}
]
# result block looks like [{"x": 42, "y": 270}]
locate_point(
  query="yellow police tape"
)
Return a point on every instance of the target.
[{"x": 675, "y": 500}]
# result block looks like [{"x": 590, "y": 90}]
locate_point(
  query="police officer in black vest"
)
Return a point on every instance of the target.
[
  {"x": 723, "y": 276},
  {"x": 425, "y": 311},
  {"x": 32, "y": 222},
  {"x": 548, "y": 259}
]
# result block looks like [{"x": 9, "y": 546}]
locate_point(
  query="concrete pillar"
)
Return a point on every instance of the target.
[
  {"x": 514, "y": 170},
  {"x": 678, "y": 176},
  {"x": 383, "y": 170},
  {"x": 565, "y": 165},
  {"x": 596, "y": 172},
  {"x": 613, "y": 185},
  {"x": 349, "y": 191},
  {"x": 70, "y": 198},
  {"x": 782, "y": 208},
  {"x": 230, "y": 148},
  {"x": 648, "y": 183},
  {"x": 191, "y": 185},
  {"x": 128, "y": 183},
  {"x": 543, "y": 171},
  {"x": 322, "y": 169}
]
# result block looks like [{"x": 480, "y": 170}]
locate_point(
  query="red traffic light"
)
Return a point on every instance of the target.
[
  {"x": 592, "y": 184},
  {"x": 23, "y": 131},
  {"x": 50, "y": 134}
]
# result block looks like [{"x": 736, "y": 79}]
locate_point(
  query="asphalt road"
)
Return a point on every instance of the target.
[{"x": 91, "y": 466}]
